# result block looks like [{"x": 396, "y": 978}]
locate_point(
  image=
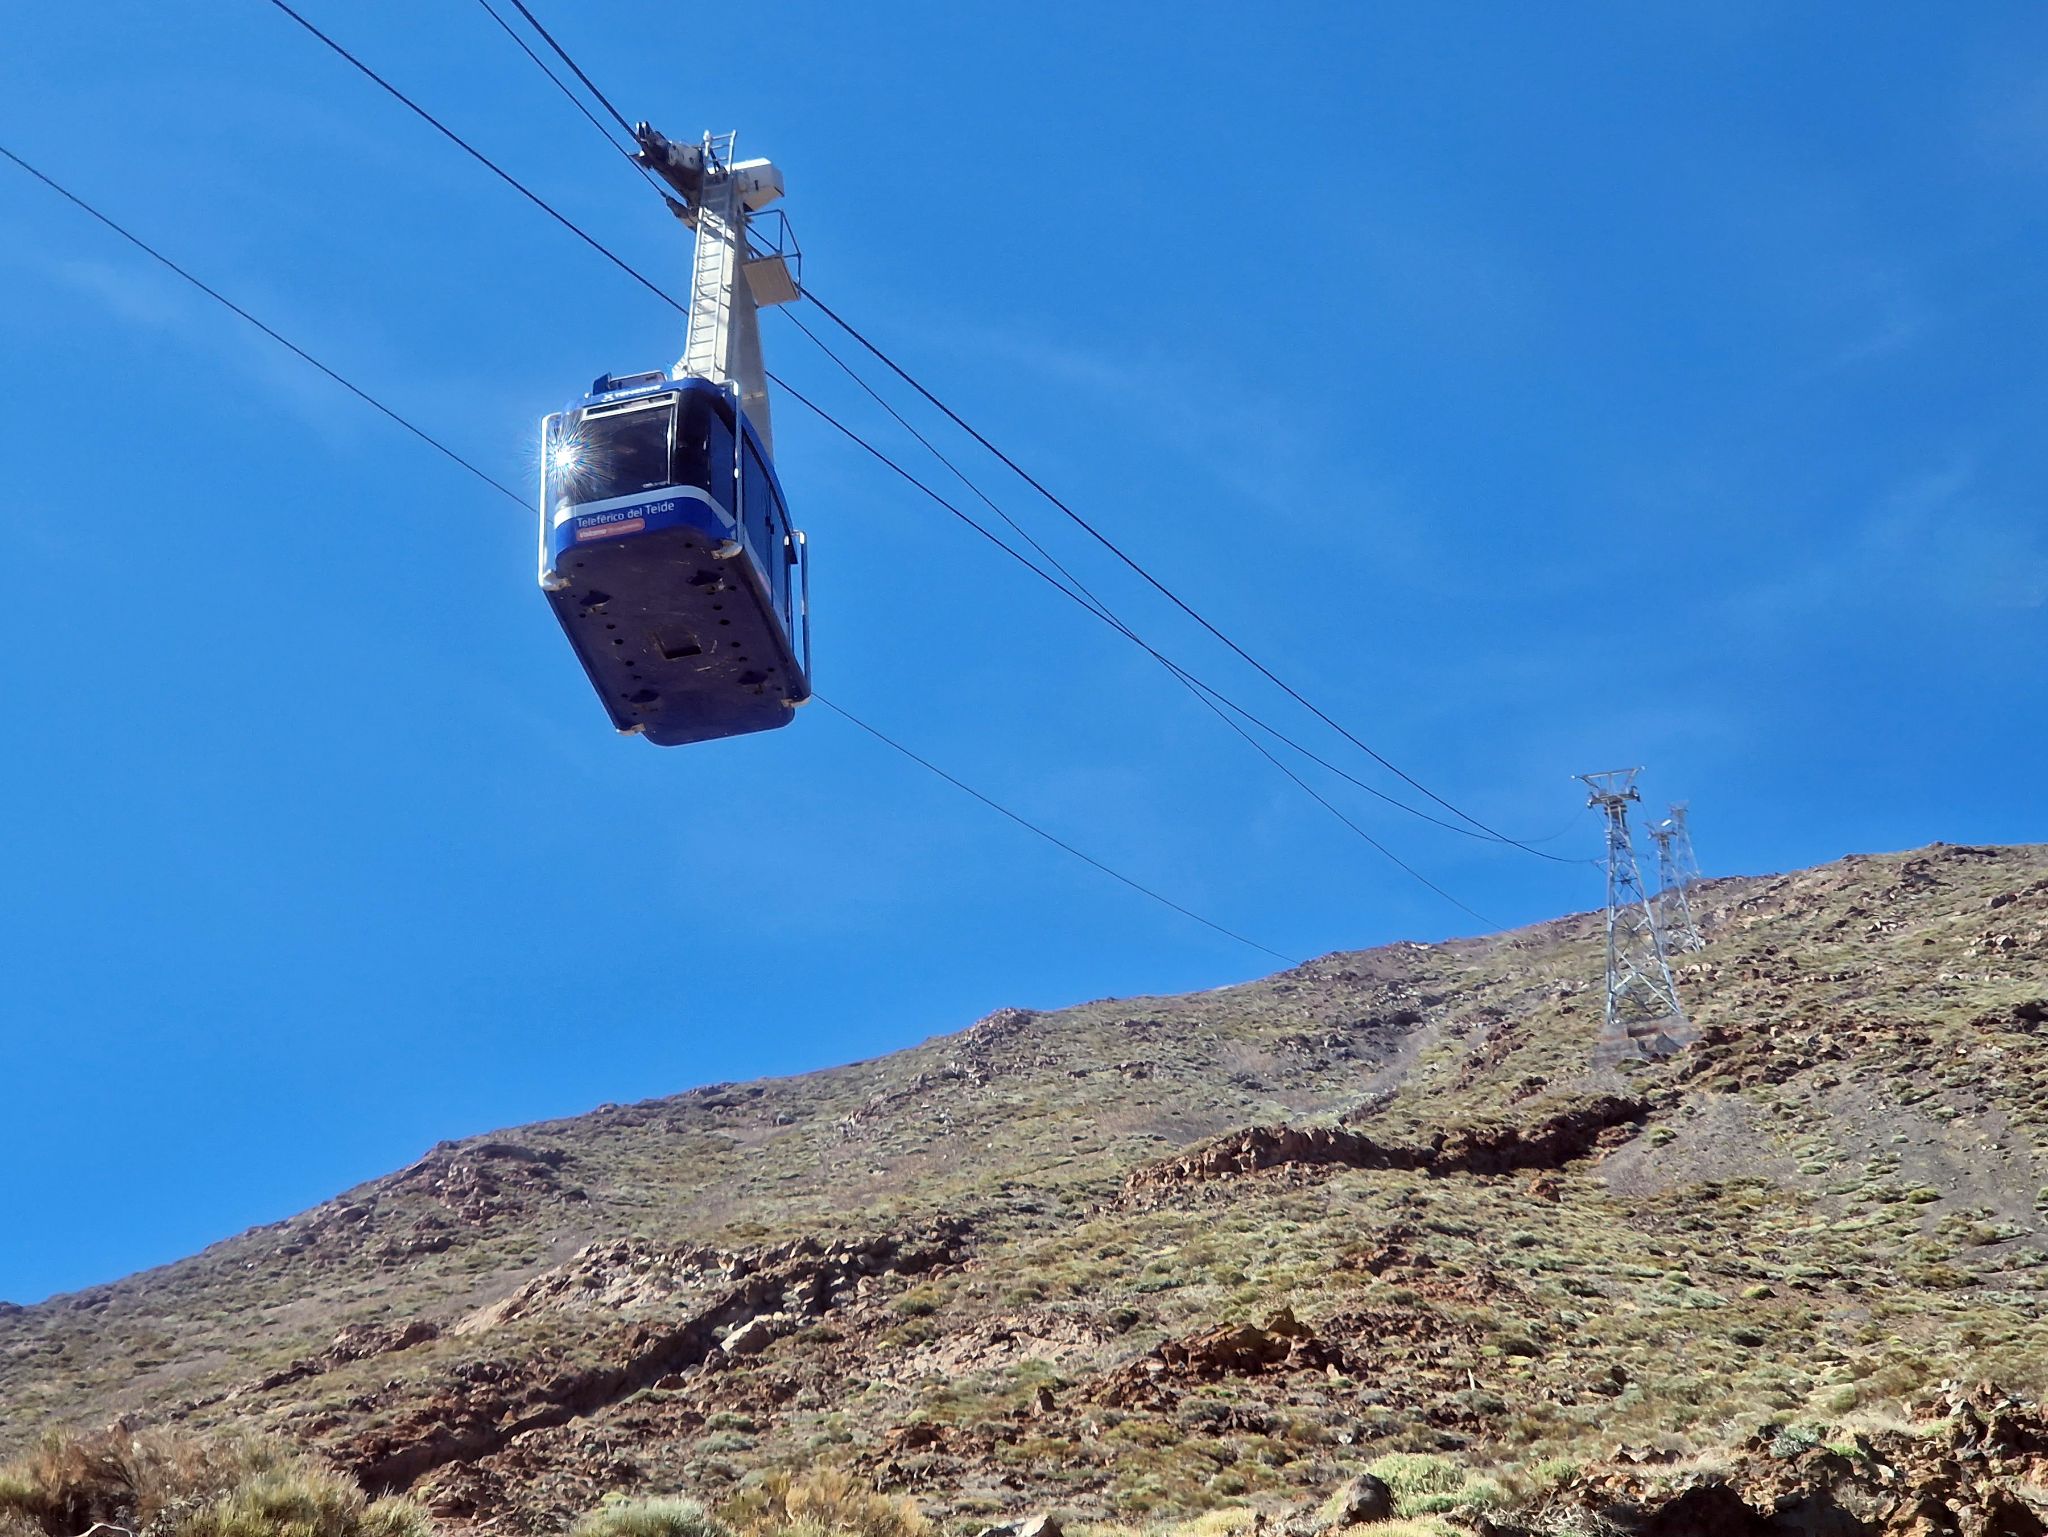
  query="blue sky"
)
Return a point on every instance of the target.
[{"x": 1540, "y": 390}]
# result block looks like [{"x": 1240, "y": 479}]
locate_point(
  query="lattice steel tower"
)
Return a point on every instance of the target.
[
  {"x": 1674, "y": 884},
  {"x": 1643, "y": 1017},
  {"x": 1674, "y": 894},
  {"x": 1681, "y": 846}
]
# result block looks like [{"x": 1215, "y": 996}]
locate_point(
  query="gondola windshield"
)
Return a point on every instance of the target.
[{"x": 613, "y": 455}]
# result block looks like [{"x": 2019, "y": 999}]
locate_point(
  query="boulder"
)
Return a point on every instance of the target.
[
  {"x": 750, "y": 1338},
  {"x": 1364, "y": 1498}
]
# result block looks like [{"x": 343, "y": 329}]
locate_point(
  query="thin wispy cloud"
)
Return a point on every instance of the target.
[
  {"x": 1938, "y": 545},
  {"x": 137, "y": 295},
  {"x": 1280, "y": 458},
  {"x": 2005, "y": 125}
]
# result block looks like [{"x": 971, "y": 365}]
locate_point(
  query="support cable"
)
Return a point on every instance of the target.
[
  {"x": 1209, "y": 696},
  {"x": 1086, "y": 601},
  {"x": 1329, "y": 806},
  {"x": 1488, "y": 832},
  {"x": 485, "y": 161},
  {"x": 497, "y": 485},
  {"x": 675, "y": 304},
  {"x": 1080, "y": 595},
  {"x": 1049, "y": 837},
  {"x": 573, "y": 99},
  {"x": 1167, "y": 592},
  {"x": 290, "y": 346},
  {"x": 562, "y": 53},
  {"x": 1086, "y": 596},
  {"x": 957, "y": 473}
]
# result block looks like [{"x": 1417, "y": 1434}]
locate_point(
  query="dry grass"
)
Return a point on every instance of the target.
[
  {"x": 67, "y": 1480},
  {"x": 822, "y": 1501},
  {"x": 168, "y": 1486}
]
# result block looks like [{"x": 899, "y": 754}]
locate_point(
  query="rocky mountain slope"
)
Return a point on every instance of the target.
[{"x": 1148, "y": 1257}]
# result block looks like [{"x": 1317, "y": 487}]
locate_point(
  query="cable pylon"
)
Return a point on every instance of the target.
[
  {"x": 1642, "y": 1018},
  {"x": 1674, "y": 886},
  {"x": 1681, "y": 846}
]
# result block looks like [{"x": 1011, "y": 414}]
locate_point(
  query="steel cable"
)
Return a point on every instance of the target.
[
  {"x": 1171, "y": 596},
  {"x": 1484, "y": 830},
  {"x": 1087, "y": 601},
  {"x": 499, "y": 486}
]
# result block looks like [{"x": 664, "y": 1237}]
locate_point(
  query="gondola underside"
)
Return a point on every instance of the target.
[{"x": 678, "y": 643}]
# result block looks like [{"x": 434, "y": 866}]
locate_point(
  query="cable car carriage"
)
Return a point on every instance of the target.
[
  {"x": 666, "y": 549},
  {"x": 668, "y": 557}
]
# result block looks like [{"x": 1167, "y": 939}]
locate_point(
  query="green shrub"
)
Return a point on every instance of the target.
[
  {"x": 921, "y": 1303},
  {"x": 1553, "y": 1471},
  {"x": 1794, "y": 1440},
  {"x": 301, "y": 1501},
  {"x": 1427, "y": 1485},
  {"x": 672, "y": 1517}
]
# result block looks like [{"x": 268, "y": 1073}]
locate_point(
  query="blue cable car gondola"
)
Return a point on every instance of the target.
[{"x": 668, "y": 557}]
